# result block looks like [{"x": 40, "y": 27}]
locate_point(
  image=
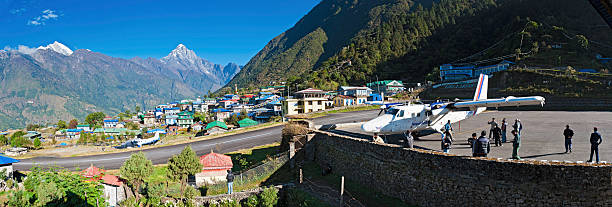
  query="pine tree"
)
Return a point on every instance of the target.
[
  {"x": 182, "y": 165},
  {"x": 135, "y": 170}
]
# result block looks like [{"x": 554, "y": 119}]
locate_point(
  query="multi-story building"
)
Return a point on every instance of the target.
[
  {"x": 359, "y": 93},
  {"x": 305, "y": 101},
  {"x": 185, "y": 119}
]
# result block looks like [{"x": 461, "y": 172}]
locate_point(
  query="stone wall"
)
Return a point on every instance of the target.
[
  {"x": 237, "y": 196},
  {"x": 427, "y": 178}
]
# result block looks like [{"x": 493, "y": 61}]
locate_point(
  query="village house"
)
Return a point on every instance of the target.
[
  {"x": 227, "y": 103},
  {"x": 214, "y": 168},
  {"x": 113, "y": 185},
  {"x": 172, "y": 129},
  {"x": 342, "y": 100},
  {"x": 221, "y": 113},
  {"x": 73, "y": 133},
  {"x": 388, "y": 87},
  {"x": 246, "y": 122},
  {"x": 359, "y": 93},
  {"x": 31, "y": 135},
  {"x": 149, "y": 119},
  {"x": 172, "y": 111},
  {"x": 231, "y": 96},
  {"x": 305, "y": 101},
  {"x": 216, "y": 127},
  {"x": 6, "y": 163},
  {"x": 196, "y": 127},
  {"x": 185, "y": 119},
  {"x": 110, "y": 123},
  {"x": 171, "y": 119},
  {"x": 84, "y": 127}
]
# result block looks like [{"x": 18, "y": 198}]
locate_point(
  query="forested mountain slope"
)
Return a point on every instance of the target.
[{"x": 352, "y": 42}]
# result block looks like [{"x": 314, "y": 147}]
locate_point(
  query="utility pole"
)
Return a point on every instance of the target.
[{"x": 341, "y": 191}]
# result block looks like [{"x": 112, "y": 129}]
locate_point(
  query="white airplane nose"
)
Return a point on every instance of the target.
[{"x": 369, "y": 127}]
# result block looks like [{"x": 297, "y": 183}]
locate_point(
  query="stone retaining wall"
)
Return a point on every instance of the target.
[{"x": 427, "y": 178}]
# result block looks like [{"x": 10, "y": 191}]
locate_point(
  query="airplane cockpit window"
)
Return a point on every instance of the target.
[{"x": 392, "y": 111}]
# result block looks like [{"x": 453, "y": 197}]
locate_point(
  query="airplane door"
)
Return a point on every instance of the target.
[{"x": 396, "y": 123}]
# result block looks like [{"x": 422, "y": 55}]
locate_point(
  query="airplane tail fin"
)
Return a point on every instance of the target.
[{"x": 482, "y": 88}]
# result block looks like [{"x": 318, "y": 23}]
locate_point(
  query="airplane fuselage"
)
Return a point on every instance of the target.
[{"x": 416, "y": 117}]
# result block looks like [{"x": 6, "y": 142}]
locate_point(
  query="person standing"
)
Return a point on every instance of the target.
[
  {"x": 568, "y": 134},
  {"x": 504, "y": 125},
  {"x": 230, "y": 181},
  {"x": 497, "y": 136},
  {"x": 409, "y": 139},
  {"x": 481, "y": 146},
  {"x": 595, "y": 141},
  {"x": 449, "y": 129},
  {"x": 472, "y": 139},
  {"x": 446, "y": 141},
  {"x": 516, "y": 144},
  {"x": 493, "y": 124},
  {"x": 518, "y": 126}
]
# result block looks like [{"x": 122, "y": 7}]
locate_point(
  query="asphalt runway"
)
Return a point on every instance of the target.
[
  {"x": 162, "y": 154},
  {"x": 542, "y": 136}
]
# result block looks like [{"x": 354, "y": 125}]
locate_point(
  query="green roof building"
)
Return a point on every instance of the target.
[
  {"x": 216, "y": 124},
  {"x": 247, "y": 122},
  {"x": 185, "y": 119}
]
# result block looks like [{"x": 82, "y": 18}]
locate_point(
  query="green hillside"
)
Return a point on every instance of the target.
[{"x": 353, "y": 42}]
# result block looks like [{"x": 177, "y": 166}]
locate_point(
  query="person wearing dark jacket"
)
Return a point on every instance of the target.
[
  {"x": 230, "y": 181},
  {"x": 516, "y": 144},
  {"x": 446, "y": 141},
  {"x": 595, "y": 142},
  {"x": 481, "y": 146},
  {"x": 497, "y": 135},
  {"x": 568, "y": 134}
]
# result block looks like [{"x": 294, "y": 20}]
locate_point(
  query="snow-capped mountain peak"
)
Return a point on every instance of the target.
[
  {"x": 57, "y": 47},
  {"x": 181, "y": 53}
]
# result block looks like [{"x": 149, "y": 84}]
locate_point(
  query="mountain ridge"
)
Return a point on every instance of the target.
[{"x": 47, "y": 85}]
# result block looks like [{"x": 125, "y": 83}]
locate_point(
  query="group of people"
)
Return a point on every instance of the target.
[
  {"x": 481, "y": 146},
  {"x": 595, "y": 141}
]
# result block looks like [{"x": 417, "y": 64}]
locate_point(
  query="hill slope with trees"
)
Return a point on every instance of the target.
[{"x": 353, "y": 42}]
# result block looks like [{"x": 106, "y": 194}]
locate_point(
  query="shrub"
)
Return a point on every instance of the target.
[
  {"x": 191, "y": 192},
  {"x": 269, "y": 197},
  {"x": 37, "y": 143},
  {"x": 289, "y": 131},
  {"x": 251, "y": 201}
]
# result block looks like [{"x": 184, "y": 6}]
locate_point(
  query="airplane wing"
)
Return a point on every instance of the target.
[
  {"x": 501, "y": 102},
  {"x": 604, "y": 8}
]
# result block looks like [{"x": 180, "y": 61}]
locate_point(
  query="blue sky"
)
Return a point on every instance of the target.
[{"x": 218, "y": 30}]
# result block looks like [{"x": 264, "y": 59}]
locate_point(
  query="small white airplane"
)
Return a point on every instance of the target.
[
  {"x": 138, "y": 142},
  {"x": 417, "y": 117}
]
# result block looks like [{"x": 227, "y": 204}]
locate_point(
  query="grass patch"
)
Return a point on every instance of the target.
[{"x": 246, "y": 158}]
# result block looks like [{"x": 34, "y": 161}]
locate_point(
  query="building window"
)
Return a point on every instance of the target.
[
  {"x": 320, "y": 102},
  {"x": 309, "y": 102}
]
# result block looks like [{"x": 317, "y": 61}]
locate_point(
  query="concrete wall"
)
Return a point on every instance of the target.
[{"x": 427, "y": 178}]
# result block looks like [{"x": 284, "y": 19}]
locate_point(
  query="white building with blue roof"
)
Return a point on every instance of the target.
[{"x": 6, "y": 163}]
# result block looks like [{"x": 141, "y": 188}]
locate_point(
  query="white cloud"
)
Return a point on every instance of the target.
[
  {"x": 21, "y": 49},
  {"x": 17, "y": 11},
  {"x": 46, "y": 15}
]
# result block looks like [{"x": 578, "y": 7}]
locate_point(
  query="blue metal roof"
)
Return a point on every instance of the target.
[
  {"x": 220, "y": 110},
  {"x": 111, "y": 120},
  {"x": 74, "y": 130},
  {"x": 7, "y": 160}
]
